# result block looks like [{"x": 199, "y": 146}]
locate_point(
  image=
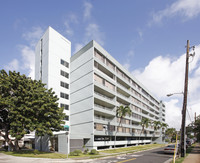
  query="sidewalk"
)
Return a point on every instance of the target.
[{"x": 194, "y": 156}]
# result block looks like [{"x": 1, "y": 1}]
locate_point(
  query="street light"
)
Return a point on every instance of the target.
[{"x": 171, "y": 94}]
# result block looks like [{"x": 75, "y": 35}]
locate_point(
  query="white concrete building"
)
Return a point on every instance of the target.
[
  {"x": 99, "y": 84},
  {"x": 91, "y": 85},
  {"x": 52, "y": 67}
]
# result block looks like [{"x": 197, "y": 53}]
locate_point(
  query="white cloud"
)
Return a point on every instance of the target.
[
  {"x": 87, "y": 10},
  {"x": 33, "y": 35},
  {"x": 187, "y": 9},
  {"x": 28, "y": 60},
  {"x": 126, "y": 66},
  {"x": 93, "y": 33},
  {"x": 78, "y": 46},
  {"x": 13, "y": 65},
  {"x": 164, "y": 75},
  {"x": 140, "y": 33},
  {"x": 173, "y": 113},
  {"x": 71, "y": 19}
]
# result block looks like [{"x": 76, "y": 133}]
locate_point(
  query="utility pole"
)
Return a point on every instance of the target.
[{"x": 183, "y": 145}]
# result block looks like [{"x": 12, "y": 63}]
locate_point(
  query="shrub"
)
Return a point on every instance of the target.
[
  {"x": 167, "y": 140},
  {"x": 36, "y": 152},
  {"x": 86, "y": 151},
  {"x": 71, "y": 153},
  {"x": 94, "y": 152},
  {"x": 77, "y": 152}
]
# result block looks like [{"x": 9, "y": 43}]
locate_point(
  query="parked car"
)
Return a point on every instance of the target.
[{"x": 170, "y": 148}]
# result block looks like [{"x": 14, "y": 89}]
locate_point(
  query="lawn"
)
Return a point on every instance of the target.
[
  {"x": 51, "y": 155},
  {"x": 38, "y": 154}
]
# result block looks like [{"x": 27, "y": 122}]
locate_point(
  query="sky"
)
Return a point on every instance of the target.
[{"x": 147, "y": 37}]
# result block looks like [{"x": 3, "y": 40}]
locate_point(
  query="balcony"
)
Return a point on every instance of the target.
[
  {"x": 103, "y": 109},
  {"x": 102, "y": 119},
  {"x": 124, "y": 142}
]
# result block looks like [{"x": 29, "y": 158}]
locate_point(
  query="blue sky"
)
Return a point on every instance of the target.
[{"x": 147, "y": 37}]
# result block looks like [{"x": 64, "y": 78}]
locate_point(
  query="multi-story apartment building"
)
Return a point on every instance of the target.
[
  {"x": 93, "y": 84},
  {"x": 98, "y": 85},
  {"x": 52, "y": 67}
]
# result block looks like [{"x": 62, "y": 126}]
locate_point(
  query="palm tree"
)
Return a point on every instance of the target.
[
  {"x": 164, "y": 126},
  {"x": 121, "y": 112},
  {"x": 145, "y": 124},
  {"x": 156, "y": 125}
]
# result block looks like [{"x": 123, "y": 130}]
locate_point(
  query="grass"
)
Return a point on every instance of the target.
[
  {"x": 132, "y": 148},
  {"x": 39, "y": 155},
  {"x": 50, "y": 155},
  {"x": 82, "y": 156}
]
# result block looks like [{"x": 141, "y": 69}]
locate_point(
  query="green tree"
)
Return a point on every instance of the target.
[
  {"x": 171, "y": 133},
  {"x": 122, "y": 112},
  {"x": 156, "y": 125},
  {"x": 197, "y": 128},
  {"x": 25, "y": 106},
  {"x": 145, "y": 122}
]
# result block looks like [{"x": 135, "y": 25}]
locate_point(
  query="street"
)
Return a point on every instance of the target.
[{"x": 150, "y": 156}]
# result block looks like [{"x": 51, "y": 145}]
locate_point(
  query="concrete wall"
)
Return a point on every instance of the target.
[
  {"x": 63, "y": 141},
  {"x": 51, "y": 48},
  {"x": 82, "y": 89}
]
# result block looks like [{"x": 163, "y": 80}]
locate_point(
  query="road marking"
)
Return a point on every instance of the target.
[
  {"x": 127, "y": 160},
  {"x": 136, "y": 155}
]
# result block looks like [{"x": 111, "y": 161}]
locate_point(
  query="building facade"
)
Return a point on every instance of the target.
[
  {"x": 99, "y": 84},
  {"x": 91, "y": 85},
  {"x": 52, "y": 67}
]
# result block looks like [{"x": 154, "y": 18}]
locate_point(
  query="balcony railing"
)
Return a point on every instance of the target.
[
  {"x": 112, "y": 99},
  {"x": 102, "y": 118},
  {"x": 103, "y": 107}
]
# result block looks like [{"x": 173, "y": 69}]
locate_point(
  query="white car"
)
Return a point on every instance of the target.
[{"x": 170, "y": 148}]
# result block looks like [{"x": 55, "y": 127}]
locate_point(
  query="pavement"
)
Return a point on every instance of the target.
[{"x": 194, "y": 156}]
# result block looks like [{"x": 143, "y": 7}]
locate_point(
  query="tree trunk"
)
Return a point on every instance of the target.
[
  {"x": 116, "y": 132},
  {"x": 16, "y": 145},
  {"x": 8, "y": 140}
]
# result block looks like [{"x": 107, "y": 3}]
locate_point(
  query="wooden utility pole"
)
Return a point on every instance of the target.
[{"x": 183, "y": 141}]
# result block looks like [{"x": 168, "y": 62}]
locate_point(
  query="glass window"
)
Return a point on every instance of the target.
[
  {"x": 64, "y": 95},
  {"x": 64, "y": 63},
  {"x": 63, "y": 84},
  {"x": 63, "y": 73},
  {"x": 66, "y": 118},
  {"x": 66, "y": 107}
]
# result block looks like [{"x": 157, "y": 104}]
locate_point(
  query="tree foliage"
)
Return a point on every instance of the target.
[
  {"x": 171, "y": 133},
  {"x": 25, "y": 106},
  {"x": 122, "y": 112},
  {"x": 197, "y": 128},
  {"x": 193, "y": 129}
]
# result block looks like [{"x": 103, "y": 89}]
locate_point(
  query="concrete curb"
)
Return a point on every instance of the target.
[{"x": 169, "y": 161}]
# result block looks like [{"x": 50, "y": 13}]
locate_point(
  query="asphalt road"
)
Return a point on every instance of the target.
[{"x": 150, "y": 156}]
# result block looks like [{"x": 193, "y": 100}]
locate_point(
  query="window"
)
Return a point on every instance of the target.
[
  {"x": 99, "y": 127},
  {"x": 64, "y": 63},
  {"x": 63, "y": 73},
  {"x": 63, "y": 84},
  {"x": 66, "y": 118},
  {"x": 64, "y": 95},
  {"x": 66, "y": 107}
]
